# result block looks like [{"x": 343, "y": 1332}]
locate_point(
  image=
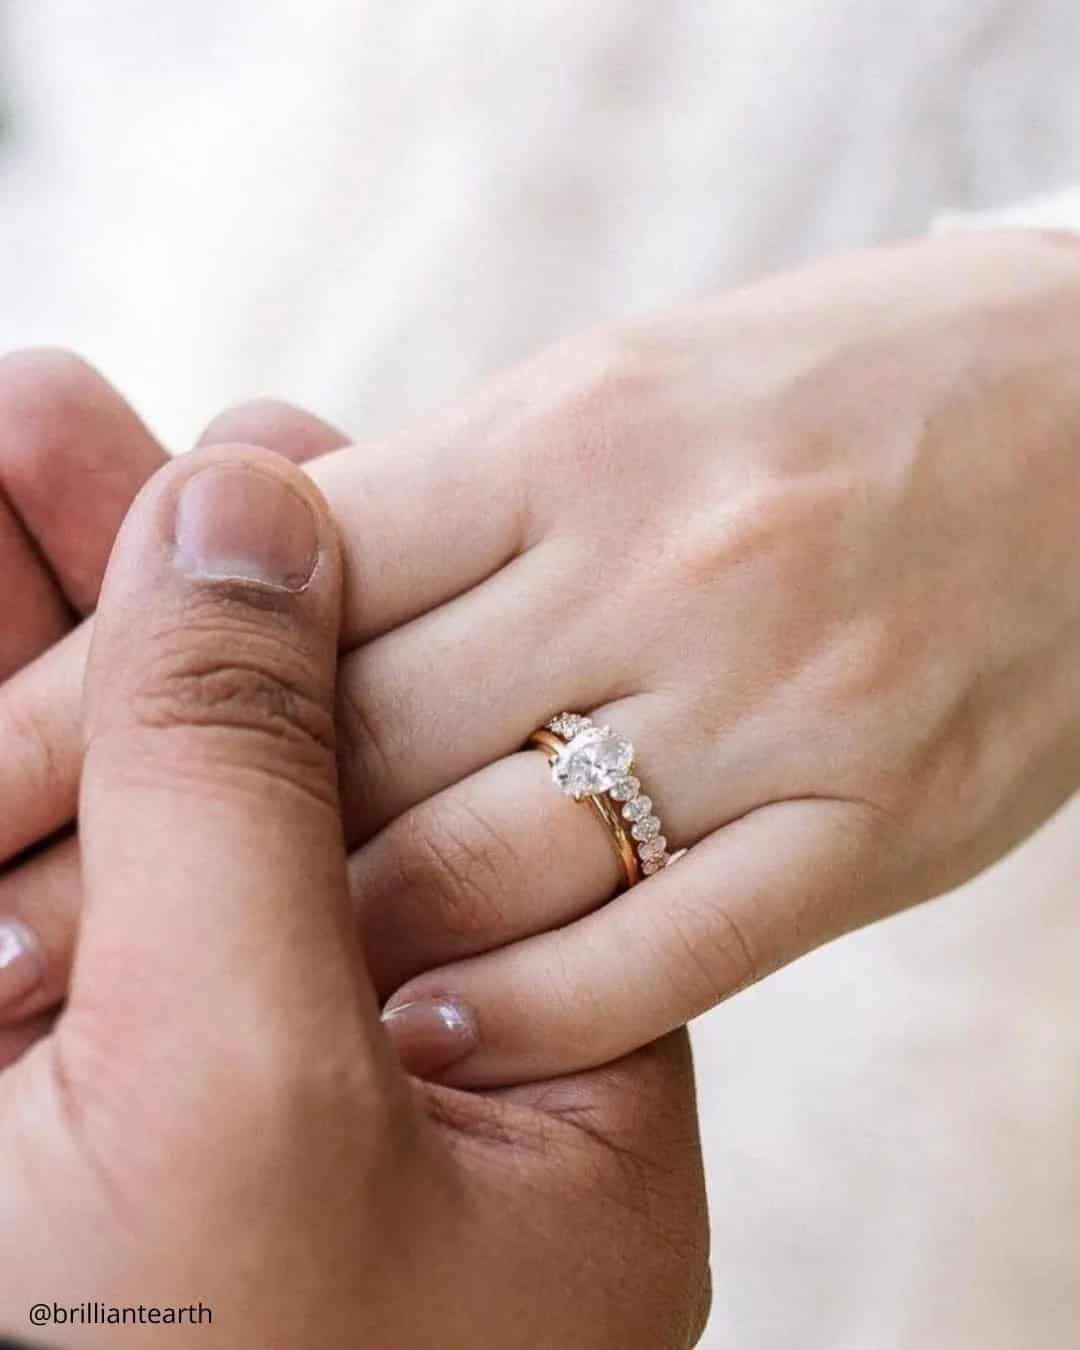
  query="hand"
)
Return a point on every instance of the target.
[
  {"x": 72, "y": 457},
  {"x": 217, "y": 1115},
  {"x": 812, "y": 547}
]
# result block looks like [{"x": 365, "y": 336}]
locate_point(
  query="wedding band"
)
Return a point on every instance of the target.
[{"x": 594, "y": 764}]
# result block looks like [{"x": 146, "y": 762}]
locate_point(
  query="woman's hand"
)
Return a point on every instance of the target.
[
  {"x": 812, "y": 547},
  {"x": 216, "y": 1118}
]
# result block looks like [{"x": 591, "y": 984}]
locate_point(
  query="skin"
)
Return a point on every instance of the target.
[
  {"x": 812, "y": 546},
  {"x": 73, "y": 455},
  {"x": 221, "y": 1050}
]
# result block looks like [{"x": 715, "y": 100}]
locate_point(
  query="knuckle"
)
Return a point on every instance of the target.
[
  {"x": 255, "y": 689},
  {"x": 610, "y": 361},
  {"x": 611, "y": 365},
  {"x": 594, "y": 387},
  {"x": 771, "y": 527},
  {"x": 447, "y": 854}
]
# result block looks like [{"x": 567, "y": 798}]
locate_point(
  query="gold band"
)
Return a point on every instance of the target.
[{"x": 618, "y": 831}]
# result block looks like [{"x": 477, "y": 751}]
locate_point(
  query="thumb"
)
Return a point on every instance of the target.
[{"x": 213, "y": 858}]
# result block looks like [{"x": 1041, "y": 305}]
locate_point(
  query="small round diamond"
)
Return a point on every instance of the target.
[
  {"x": 646, "y": 829},
  {"x": 650, "y": 866},
  {"x": 567, "y": 725},
  {"x": 637, "y": 809},
  {"x": 652, "y": 848},
  {"x": 625, "y": 789}
]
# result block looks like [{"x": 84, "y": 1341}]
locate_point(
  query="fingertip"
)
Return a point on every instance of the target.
[
  {"x": 431, "y": 1035},
  {"x": 233, "y": 512},
  {"x": 275, "y": 425},
  {"x": 22, "y": 968}
]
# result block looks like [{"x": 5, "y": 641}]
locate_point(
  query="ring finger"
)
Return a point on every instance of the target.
[{"x": 504, "y": 854}]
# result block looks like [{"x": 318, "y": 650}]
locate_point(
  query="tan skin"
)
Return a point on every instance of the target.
[
  {"x": 217, "y": 1115},
  {"x": 811, "y": 545}
]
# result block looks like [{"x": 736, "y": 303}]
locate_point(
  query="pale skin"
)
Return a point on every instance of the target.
[
  {"x": 812, "y": 546},
  {"x": 217, "y": 1116}
]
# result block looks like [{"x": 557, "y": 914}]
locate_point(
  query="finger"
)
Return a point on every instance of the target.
[
  {"x": 41, "y": 735},
  {"x": 35, "y": 613},
  {"x": 213, "y": 860},
  {"x": 40, "y": 710},
  {"x": 753, "y": 896},
  {"x": 62, "y": 429},
  {"x": 431, "y": 514},
  {"x": 277, "y": 426},
  {"x": 74, "y": 456},
  {"x": 407, "y": 509},
  {"x": 39, "y": 910},
  {"x": 471, "y": 869}
]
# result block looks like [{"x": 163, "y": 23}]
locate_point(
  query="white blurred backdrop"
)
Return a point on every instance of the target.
[{"x": 367, "y": 207}]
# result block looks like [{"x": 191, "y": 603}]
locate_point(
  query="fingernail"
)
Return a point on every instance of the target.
[
  {"x": 237, "y": 523},
  {"x": 21, "y": 967},
  {"x": 431, "y": 1034}
]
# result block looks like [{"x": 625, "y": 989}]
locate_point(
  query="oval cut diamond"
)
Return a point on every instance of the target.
[{"x": 592, "y": 762}]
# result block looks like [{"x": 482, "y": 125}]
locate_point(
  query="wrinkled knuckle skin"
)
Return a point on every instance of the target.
[
  {"x": 251, "y": 700},
  {"x": 460, "y": 870}
]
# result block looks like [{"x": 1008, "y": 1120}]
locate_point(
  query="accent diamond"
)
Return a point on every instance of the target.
[
  {"x": 592, "y": 762},
  {"x": 625, "y": 789},
  {"x": 650, "y": 866},
  {"x": 652, "y": 848},
  {"x": 568, "y": 725},
  {"x": 646, "y": 829},
  {"x": 638, "y": 809}
]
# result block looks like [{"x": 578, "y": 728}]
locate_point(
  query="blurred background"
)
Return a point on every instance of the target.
[{"x": 367, "y": 207}]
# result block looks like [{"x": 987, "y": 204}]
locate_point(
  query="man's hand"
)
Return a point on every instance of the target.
[
  {"x": 73, "y": 454},
  {"x": 217, "y": 1115}
]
